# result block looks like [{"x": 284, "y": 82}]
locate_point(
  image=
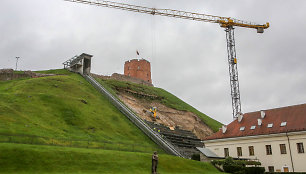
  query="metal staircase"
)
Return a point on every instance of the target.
[
  {"x": 156, "y": 137},
  {"x": 185, "y": 141},
  {"x": 70, "y": 62}
]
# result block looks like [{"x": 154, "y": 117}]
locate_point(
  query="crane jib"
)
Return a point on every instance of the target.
[{"x": 223, "y": 21}]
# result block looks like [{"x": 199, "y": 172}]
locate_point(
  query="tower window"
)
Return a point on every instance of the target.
[{"x": 138, "y": 67}]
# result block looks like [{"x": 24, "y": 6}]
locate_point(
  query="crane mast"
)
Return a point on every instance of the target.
[
  {"x": 233, "y": 71},
  {"x": 224, "y": 22}
]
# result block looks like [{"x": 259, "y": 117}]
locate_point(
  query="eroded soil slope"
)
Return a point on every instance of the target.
[{"x": 169, "y": 117}]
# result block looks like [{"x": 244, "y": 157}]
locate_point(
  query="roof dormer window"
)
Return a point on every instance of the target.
[{"x": 284, "y": 123}]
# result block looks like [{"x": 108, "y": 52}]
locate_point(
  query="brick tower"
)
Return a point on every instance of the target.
[{"x": 138, "y": 68}]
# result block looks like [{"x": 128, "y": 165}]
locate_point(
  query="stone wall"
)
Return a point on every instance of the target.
[
  {"x": 122, "y": 77},
  {"x": 9, "y": 74},
  {"x": 138, "y": 68}
]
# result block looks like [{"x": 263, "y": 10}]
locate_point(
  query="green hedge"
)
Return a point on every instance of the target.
[
  {"x": 285, "y": 173},
  {"x": 255, "y": 170},
  {"x": 196, "y": 157},
  {"x": 239, "y": 166}
]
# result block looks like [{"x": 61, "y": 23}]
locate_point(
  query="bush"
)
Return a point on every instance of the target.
[
  {"x": 285, "y": 173},
  {"x": 217, "y": 162},
  {"x": 233, "y": 168},
  {"x": 238, "y": 166},
  {"x": 255, "y": 170},
  {"x": 196, "y": 157}
]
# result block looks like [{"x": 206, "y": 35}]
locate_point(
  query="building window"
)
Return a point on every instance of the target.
[
  {"x": 271, "y": 168},
  {"x": 286, "y": 169},
  {"x": 269, "y": 149},
  {"x": 300, "y": 147},
  {"x": 128, "y": 68},
  {"x": 138, "y": 67},
  {"x": 251, "y": 150},
  {"x": 283, "y": 148},
  {"x": 239, "y": 151},
  {"x": 226, "y": 152}
]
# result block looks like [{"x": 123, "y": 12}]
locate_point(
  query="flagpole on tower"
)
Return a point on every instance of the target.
[{"x": 137, "y": 53}]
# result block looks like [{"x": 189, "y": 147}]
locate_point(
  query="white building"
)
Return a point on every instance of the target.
[{"x": 276, "y": 137}]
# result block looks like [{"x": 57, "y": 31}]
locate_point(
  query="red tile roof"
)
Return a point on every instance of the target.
[{"x": 295, "y": 116}]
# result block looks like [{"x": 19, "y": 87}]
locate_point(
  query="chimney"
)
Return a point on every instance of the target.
[
  {"x": 262, "y": 114},
  {"x": 240, "y": 116},
  {"x": 224, "y": 128},
  {"x": 259, "y": 121}
]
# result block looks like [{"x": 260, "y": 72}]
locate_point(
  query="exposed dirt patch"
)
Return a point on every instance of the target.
[{"x": 169, "y": 117}]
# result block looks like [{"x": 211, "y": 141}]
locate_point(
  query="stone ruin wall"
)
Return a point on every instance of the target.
[
  {"x": 122, "y": 77},
  {"x": 9, "y": 74}
]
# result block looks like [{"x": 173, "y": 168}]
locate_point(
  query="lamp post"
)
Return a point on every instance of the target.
[{"x": 17, "y": 62}]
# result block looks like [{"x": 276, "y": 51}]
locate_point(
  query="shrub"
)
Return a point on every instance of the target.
[
  {"x": 238, "y": 166},
  {"x": 255, "y": 170},
  {"x": 285, "y": 173},
  {"x": 233, "y": 168},
  {"x": 196, "y": 157}
]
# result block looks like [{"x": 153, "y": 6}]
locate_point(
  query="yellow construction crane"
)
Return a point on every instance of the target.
[{"x": 224, "y": 22}]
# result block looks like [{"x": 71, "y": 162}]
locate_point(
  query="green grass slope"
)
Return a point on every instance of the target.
[
  {"x": 64, "y": 106},
  {"x": 28, "y": 159},
  {"x": 167, "y": 99}
]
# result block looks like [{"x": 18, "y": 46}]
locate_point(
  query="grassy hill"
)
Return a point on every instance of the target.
[
  {"x": 165, "y": 98},
  {"x": 28, "y": 159},
  {"x": 64, "y": 106}
]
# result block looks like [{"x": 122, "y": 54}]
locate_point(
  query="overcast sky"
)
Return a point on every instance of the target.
[{"x": 188, "y": 58}]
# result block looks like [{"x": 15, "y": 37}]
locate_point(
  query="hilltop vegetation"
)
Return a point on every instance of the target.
[{"x": 163, "y": 96}]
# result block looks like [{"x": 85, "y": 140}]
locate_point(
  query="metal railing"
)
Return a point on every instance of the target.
[
  {"x": 164, "y": 144},
  {"x": 69, "y": 62}
]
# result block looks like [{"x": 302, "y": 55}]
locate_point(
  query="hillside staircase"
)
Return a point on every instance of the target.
[{"x": 185, "y": 141}]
